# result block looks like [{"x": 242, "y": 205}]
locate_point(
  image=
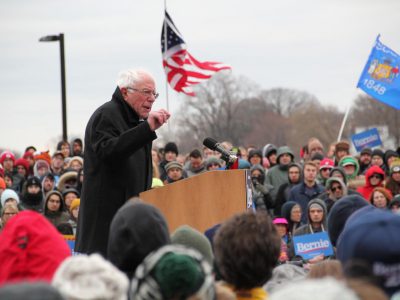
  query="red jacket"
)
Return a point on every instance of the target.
[{"x": 367, "y": 189}]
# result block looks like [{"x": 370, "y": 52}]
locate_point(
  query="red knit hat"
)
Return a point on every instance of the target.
[
  {"x": 22, "y": 162},
  {"x": 28, "y": 154},
  {"x": 31, "y": 249},
  {"x": 6, "y": 154}
]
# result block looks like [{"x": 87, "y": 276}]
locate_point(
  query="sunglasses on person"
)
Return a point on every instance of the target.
[
  {"x": 335, "y": 188},
  {"x": 377, "y": 176}
]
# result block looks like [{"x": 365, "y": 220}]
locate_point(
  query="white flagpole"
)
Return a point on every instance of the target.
[
  {"x": 346, "y": 115},
  {"x": 165, "y": 50}
]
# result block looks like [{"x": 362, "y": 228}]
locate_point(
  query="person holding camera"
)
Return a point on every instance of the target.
[{"x": 261, "y": 191}]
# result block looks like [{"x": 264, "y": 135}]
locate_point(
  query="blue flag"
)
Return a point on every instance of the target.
[{"x": 380, "y": 77}]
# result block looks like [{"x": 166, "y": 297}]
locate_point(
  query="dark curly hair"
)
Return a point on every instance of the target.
[{"x": 247, "y": 248}]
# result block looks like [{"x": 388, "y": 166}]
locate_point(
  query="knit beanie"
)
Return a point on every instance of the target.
[
  {"x": 90, "y": 277},
  {"x": 171, "y": 147},
  {"x": 31, "y": 249},
  {"x": 6, "y": 155},
  {"x": 254, "y": 152},
  {"x": 322, "y": 289},
  {"x": 389, "y": 154},
  {"x": 22, "y": 162},
  {"x": 75, "y": 203},
  {"x": 173, "y": 272},
  {"x": 191, "y": 238},
  {"x": 340, "y": 212},
  {"x": 173, "y": 164},
  {"x": 378, "y": 152},
  {"x": 9, "y": 194}
]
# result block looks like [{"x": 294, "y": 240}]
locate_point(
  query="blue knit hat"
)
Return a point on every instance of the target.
[{"x": 372, "y": 235}]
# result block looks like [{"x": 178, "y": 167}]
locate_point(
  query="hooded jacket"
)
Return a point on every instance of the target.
[
  {"x": 278, "y": 174},
  {"x": 56, "y": 217},
  {"x": 261, "y": 190},
  {"x": 330, "y": 200},
  {"x": 366, "y": 190},
  {"x": 286, "y": 213},
  {"x": 136, "y": 230},
  {"x": 284, "y": 190}
]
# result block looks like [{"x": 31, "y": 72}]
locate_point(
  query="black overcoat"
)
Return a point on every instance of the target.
[{"x": 117, "y": 166}]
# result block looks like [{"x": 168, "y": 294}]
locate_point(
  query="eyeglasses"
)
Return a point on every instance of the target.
[
  {"x": 147, "y": 93},
  {"x": 334, "y": 189},
  {"x": 377, "y": 176}
]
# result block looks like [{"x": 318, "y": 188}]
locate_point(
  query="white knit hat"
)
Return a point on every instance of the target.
[
  {"x": 90, "y": 277},
  {"x": 8, "y": 194}
]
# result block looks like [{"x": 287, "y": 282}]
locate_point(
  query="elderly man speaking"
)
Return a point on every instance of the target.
[{"x": 117, "y": 159}]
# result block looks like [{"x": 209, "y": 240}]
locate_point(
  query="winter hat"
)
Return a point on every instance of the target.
[
  {"x": 22, "y": 162},
  {"x": 284, "y": 274},
  {"x": 171, "y": 147},
  {"x": 342, "y": 146},
  {"x": 213, "y": 160},
  {"x": 9, "y": 194},
  {"x": 286, "y": 209},
  {"x": 173, "y": 164},
  {"x": 340, "y": 212},
  {"x": 389, "y": 154},
  {"x": 378, "y": 152},
  {"x": 191, "y": 238},
  {"x": 322, "y": 289},
  {"x": 90, "y": 277},
  {"x": 173, "y": 272},
  {"x": 254, "y": 152},
  {"x": 75, "y": 158},
  {"x": 131, "y": 227},
  {"x": 372, "y": 235},
  {"x": 395, "y": 166},
  {"x": 243, "y": 164},
  {"x": 30, "y": 291},
  {"x": 6, "y": 155},
  {"x": 27, "y": 155},
  {"x": 70, "y": 175},
  {"x": 34, "y": 181},
  {"x": 2, "y": 183},
  {"x": 74, "y": 204},
  {"x": 366, "y": 151},
  {"x": 30, "y": 249},
  {"x": 326, "y": 163},
  {"x": 280, "y": 221},
  {"x": 43, "y": 156},
  {"x": 70, "y": 190}
]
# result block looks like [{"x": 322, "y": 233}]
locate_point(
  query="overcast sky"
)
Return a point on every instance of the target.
[{"x": 317, "y": 46}]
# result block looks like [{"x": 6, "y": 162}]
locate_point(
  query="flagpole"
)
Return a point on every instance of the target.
[
  {"x": 165, "y": 50},
  {"x": 346, "y": 115}
]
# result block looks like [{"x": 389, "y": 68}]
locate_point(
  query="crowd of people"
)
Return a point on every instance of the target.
[{"x": 354, "y": 198}]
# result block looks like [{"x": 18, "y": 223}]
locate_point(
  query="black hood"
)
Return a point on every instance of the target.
[{"x": 136, "y": 230}]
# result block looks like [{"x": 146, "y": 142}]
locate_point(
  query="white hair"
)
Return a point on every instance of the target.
[{"x": 131, "y": 77}]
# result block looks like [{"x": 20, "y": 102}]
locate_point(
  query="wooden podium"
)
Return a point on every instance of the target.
[{"x": 203, "y": 200}]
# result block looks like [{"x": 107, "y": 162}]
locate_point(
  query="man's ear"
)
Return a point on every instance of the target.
[{"x": 124, "y": 92}]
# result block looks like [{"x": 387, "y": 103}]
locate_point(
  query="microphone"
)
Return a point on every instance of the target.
[{"x": 226, "y": 155}]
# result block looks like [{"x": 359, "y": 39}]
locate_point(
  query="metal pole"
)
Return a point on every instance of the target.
[
  {"x": 344, "y": 121},
  {"x": 63, "y": 89}
]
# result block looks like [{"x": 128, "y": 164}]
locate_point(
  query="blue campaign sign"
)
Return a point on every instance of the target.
[
  {"x": 311, "y": 245},
  {"x": 369, "y": 138},
  {"x": 380, "y": 77}
]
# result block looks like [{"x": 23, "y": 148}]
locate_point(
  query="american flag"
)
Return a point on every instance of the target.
[{"x": 182, "y": 69}]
